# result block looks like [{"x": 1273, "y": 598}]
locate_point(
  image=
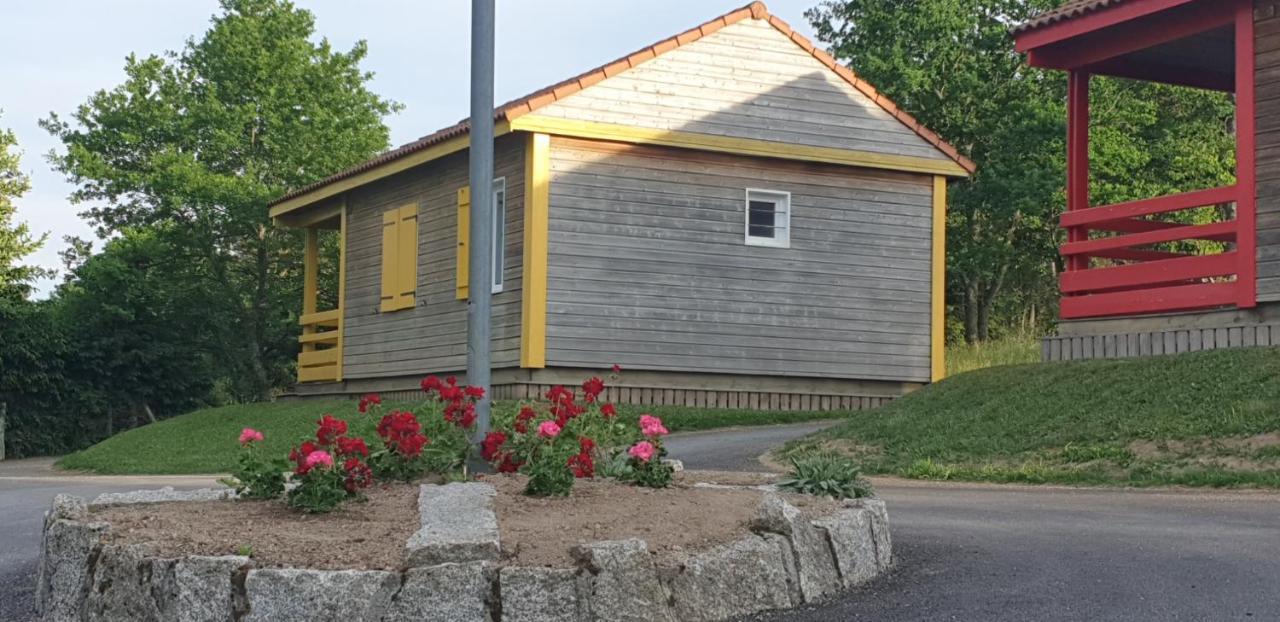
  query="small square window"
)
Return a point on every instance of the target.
[{"x": 768, "y": 218}]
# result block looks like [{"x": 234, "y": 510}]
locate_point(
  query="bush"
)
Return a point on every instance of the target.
[
  {"x": 646, "y": 465},
  {"x": 435, "y": 438},
  {"x": 826, "y": 475},
  {"x": 556, "y": 441},
  {"x": 323, "y": 484}
]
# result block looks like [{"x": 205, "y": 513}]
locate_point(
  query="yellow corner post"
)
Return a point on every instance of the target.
[
  {"x": 937, "y": 337},
  {"x": 537, "y": 206}
]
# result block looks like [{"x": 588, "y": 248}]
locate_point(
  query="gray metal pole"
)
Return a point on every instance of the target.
[{"x": 480, "y": 284}]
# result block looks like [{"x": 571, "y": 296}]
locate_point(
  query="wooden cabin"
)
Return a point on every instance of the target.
[
  {"x": 1125, "y": 291},
  {"x": 729, "y": 214}
]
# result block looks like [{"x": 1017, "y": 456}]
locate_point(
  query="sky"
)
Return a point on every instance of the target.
[{"x": 58, "y": 52}]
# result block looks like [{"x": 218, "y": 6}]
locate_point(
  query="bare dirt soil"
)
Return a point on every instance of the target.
[
  {"x": 534, "y": 531},
  {"x": 368, "y": 535}
]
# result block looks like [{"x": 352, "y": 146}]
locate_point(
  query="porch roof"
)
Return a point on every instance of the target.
[{"x": 1184, "y": 42}]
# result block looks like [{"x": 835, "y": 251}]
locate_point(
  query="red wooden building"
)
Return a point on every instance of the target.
[{"x": 1124, "y": 292}]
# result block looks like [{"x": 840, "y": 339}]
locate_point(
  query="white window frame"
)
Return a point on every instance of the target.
[
  {"x": 782, "y": 220},
  {"x": 499, "y": 231}
]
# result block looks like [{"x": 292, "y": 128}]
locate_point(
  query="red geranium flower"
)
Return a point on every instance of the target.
[
  {"x": 617, "y": 369},
  {"x": 592, "y": 388},
  {"x": 608, "y": 410},
  {"x": 369, "y": 400},
  {"x": 430, "y": 383},
  {"x": 476, "y": 392},
  {"x": 358, "y": 475},
  {"x": 411, "y": 445},
  {"x": 330, "y": 429},
  {"x": 523, "y": 418},
  {"x": 493, "y": 442},
  {"x": 352, "y": 447}
]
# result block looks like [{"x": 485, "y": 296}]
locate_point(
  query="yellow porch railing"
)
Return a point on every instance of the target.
[{"x": 321, "y": 353}]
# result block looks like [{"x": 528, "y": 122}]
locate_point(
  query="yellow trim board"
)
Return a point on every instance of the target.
[
  {"x": 342, "y": 286},
  {"x": 742, "y": 146},
  {"x": 938, "y": 279},
  {"x": 434, "y": 152},
  {"x": 537, "y": 206}
]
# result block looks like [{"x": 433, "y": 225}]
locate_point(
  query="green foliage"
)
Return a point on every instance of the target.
[
  {"x": 142, "y": 327},
  {"x": 653, "y": 473},
  {"x": 951, "y": 63},
  {"x": 319, "y": 491},
  {"x": 1140, "y": 421},
  {"x": 549, "y": 475},
  {"x": 16, "y": 240},
  {"x": 192, "y": 146},
  {"x": 257, "y": 476},
  {"x": 824, "y": 474},
  {"x": 1013, "y": 349}
]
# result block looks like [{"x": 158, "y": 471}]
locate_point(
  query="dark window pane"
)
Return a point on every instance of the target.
[{"x": 761, "y": 219}]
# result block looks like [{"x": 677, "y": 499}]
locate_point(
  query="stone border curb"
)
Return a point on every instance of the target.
[{"x": 786, "y": 561}]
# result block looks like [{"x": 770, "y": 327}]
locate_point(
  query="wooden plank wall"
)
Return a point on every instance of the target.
[
  {"x": 696, "y": 398},
  {"x": 1267, "y": 113},
  {"x": 431, "y": 336},
  {"x": 648, "y": 267},
  {"x": 746, "y": 80},
  {"x": 1155, "y": 343}
]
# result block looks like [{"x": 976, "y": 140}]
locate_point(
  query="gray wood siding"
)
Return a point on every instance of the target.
[
  {"x": 746, "y": 80},
  {"x": 431, "y": 336},
  {"x": 1267, "y": 73},
  {"x": 648, "y": 267}
]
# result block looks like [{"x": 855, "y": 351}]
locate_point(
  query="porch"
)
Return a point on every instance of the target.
[
  {"x": 1148, "y": 257},
  {"x": 320, "y": 344}
]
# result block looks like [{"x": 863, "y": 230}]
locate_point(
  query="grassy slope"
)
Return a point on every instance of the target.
[
  {"x": 1160, "y": 420},
  {"x": 205, "y": 441}
]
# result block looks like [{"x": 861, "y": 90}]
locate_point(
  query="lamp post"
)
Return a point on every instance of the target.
[{"x": 480, "y": 278}]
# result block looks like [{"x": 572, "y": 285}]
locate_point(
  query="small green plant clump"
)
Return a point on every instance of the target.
[
  {"x": 825, "y": 474},
  {"x": 256, "y": 476}
]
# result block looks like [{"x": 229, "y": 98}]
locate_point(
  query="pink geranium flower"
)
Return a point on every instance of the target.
[
  {"x": 548, "y": 429},
  {"x": 319, "y": 458},
  {"x": 642, "y": 451},
  {"x": 249, "y": 435},
  {"x": 652, "y": 426}
]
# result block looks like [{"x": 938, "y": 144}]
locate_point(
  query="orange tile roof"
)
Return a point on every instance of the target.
[{"x": 529, "y": 103}]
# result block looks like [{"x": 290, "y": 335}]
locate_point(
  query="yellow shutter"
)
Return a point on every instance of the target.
[
  {"x": 407, "y": 273},
  {"x": 464, "y": 233},
  {"x": 390, "y": 258},
  {"x": 399, "y": 257}
]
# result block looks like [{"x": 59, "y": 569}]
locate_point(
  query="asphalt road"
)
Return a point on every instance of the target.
[{"x": 964, "y": 552}]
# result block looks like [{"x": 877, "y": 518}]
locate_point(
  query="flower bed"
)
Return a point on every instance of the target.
[
  {"x": 585, "y": 520},
  {"x": 691, "y": 551}
]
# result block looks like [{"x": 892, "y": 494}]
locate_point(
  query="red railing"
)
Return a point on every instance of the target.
[{"x": 1135, "y": 278}]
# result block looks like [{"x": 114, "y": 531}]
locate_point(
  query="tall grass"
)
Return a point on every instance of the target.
[{"x": 1010, "y": 350}]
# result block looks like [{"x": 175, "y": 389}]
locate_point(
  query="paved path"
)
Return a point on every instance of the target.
[
  {"x": 734, "y": 449},
  {"x": 965, "y": 552}
]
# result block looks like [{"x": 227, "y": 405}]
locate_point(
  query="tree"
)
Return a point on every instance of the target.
[
  {"x": 194, "y": 144},
  {"x": 16, "y": 240},
  {"x": 952, "y": 64},
  {"x": 144, "y": 327}
]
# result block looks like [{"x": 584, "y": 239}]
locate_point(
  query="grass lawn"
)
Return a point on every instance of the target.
[
  {"x": 1198, "y": 419},
  {"x": 205, "y": 441}
]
